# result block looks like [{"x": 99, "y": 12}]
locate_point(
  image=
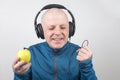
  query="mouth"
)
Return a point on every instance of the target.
[{"x": 57, "y": 39}]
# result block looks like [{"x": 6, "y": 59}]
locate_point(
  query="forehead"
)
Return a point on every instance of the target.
[{"x": 54, "y": 13}]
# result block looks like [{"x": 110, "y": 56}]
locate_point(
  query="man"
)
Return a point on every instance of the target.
[{"x": 56, "y": 58}]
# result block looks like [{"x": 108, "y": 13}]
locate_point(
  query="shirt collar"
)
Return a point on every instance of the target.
[{"x": 57, "y": 51}]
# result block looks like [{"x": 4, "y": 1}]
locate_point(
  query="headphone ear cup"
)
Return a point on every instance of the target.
[
  {"x": 71, "y": 29},
  {"x": 39, "y": 31}
]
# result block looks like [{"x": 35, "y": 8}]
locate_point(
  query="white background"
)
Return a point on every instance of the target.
[{"x": 96, "y": 20}]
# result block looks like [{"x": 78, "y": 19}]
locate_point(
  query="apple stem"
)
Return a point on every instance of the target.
[{"x": 24, "y": 48}]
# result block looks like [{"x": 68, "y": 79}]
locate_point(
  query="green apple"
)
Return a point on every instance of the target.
[{"x": 24, "y": 55}]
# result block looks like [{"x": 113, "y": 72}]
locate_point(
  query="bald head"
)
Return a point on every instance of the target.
[{"x": 54, "y": 14}]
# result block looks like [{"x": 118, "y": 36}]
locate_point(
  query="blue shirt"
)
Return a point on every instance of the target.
[{"x": 61, "y": 64}]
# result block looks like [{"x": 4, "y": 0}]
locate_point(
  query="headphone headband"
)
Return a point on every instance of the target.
[{"x": 53, "y": 6}]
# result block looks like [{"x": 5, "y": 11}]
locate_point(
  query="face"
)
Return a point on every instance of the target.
[{"x": 56, "y": 28}]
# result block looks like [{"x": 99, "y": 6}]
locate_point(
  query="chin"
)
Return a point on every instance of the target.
[{"x": 57, "y": 44}]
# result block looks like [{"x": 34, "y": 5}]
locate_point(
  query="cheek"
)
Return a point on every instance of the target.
[
  {"x": 66, "y": 32},
  {"x": 47, "y": 34}
]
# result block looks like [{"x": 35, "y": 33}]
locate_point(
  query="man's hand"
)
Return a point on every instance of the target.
[
  {"x": 20, "y": 67},
  {"x": 84, "y": 54}
]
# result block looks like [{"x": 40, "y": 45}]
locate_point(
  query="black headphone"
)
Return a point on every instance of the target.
[{"x": 38, "y": 26}]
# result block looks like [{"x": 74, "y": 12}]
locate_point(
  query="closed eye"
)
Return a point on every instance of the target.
[
  {"x": 63, "y": 27},
  {"x": 51, "y": 27}
]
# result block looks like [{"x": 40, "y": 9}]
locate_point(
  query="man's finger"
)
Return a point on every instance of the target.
[
  {"x": 25, "y": 68},
  {"x": 16, "y": 60}
]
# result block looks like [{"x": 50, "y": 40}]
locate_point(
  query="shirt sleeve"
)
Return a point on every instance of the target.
[
  {"x": 25, "y": 76},
  {"x": 87, "y": 71}
]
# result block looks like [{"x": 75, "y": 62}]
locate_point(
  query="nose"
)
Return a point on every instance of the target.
[{"x": 57, "y": 31}]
